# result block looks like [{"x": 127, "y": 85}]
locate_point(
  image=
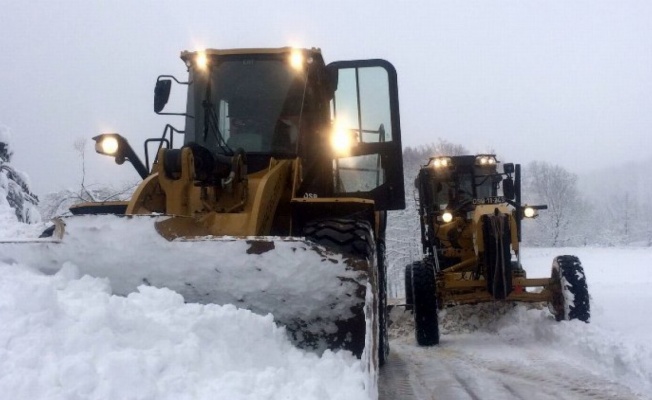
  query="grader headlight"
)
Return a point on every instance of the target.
[
  {"x": 529, "y": 212},
  {"x": 447, "y": 216}
]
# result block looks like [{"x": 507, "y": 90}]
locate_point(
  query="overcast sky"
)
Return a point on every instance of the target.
[{"x": 568, "y": 82}]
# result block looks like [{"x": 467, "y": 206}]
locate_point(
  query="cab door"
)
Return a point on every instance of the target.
[{"x": 365, "y": 110}]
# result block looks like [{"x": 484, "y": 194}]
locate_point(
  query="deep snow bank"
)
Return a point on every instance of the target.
[{"x": 66, "y": 336}]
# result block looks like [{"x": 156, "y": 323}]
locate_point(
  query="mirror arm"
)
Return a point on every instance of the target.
[{"x": 180, "y": 83}]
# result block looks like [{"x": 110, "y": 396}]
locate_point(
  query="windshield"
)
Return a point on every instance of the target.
[
  {"x": 485, "y": 186},
  {"x": 250, "y": 102},
  {"x": 451, "y": 194}
]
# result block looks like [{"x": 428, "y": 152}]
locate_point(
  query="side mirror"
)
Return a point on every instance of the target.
[
  {"x": 508, "y": 168},
  {"x": 161, "y": 94},
  {"x": 508, "y": 188}
]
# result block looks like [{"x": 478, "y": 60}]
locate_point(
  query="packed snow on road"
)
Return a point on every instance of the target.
[{"x": 507, "y": 351}]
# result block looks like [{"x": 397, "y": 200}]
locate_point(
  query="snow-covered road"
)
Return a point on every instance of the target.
[
  {"x": 498, "y": 351},
  {"x": 486, "y": 366}
]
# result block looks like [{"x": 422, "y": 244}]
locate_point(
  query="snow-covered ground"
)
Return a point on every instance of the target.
[
  {"x": 66, "y": 336},
  {"x": 618, "y": 341},
  {"x": 502, "y": 351}
]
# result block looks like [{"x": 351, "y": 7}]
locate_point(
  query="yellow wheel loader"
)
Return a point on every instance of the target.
[
  {"x": 275, "y": 193},
  {"x": 471, "y": 238}
]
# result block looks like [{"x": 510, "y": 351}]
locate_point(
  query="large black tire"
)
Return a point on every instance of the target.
[
  {"x": 570, "y": 292},
  {"x": 497, "y": 255},
  {"x": 426, "y": 322},
  {"x": 356, "y": 238},
  {"x": 352, "y": 237},
  {"x": 409, "y": 298}
]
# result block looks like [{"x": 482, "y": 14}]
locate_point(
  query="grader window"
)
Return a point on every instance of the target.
[{"x": 485, "y": 187}]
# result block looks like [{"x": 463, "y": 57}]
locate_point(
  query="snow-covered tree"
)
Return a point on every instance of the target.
[
  {"x": 414, "y": 157},
  {"x": 619, "y": 195},
  {"x": 58, "y": 203},
  {"x": 14, "y": 185},
  {"x": 562, "y": 223}
]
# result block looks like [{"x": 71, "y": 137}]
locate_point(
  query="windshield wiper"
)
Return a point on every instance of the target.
[{"x": 211, "y": 123}]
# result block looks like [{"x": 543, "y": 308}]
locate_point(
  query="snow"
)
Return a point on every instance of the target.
[
  {"x": 619, "y": 284},
  {"x": 68, "y": 336},
  {"x": 15, "y": 196},
  {"x": 5, "y": 137},
  {"x": 525, "y": 342},
  {"x": 307, "y": 289}
]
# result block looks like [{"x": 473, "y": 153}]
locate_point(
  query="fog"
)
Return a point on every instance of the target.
[{"x": 566, "y": 82}]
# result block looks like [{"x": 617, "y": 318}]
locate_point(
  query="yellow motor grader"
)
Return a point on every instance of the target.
[
  {"x": 275, "y": 197},
  {"x": 471, "y": 238}
]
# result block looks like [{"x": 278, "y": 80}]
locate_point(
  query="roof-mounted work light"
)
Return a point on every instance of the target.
[
  {"x": 441, "y": 162},
  {"x": 486, "y": 160}
]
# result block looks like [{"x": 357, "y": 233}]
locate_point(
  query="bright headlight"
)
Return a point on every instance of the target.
[
  {"x": 529, "y": 212},
  {"x": 447, "y": 217},
  {"x": 342, "y": 141},
  {"x": 296, "y": 60},
  {"x": 108, "y": 145}
]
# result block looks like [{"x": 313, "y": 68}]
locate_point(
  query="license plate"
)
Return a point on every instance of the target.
[{"x": 489, "y": 200}]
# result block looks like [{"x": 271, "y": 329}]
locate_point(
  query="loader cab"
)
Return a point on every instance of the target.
[
  {"x": 258, "y": 101},
  {"x": 341, "y": 119}
]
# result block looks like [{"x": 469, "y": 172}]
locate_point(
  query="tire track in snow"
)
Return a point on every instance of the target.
[
  {"x": 394, "y": 379},
  {"x": 443, "y": 372},
  {"x": 561, "y": 381}
]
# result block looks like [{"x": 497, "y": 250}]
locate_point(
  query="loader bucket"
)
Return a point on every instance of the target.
[{"x": 325, "y": 300}]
